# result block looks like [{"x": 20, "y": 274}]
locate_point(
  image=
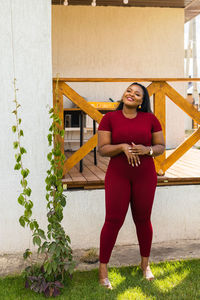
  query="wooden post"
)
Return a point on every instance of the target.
[
  {"x": 160, "y": 112},
  {"x": 58, "y": 107}
]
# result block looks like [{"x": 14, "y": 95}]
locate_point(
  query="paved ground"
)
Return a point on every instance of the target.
[{"x": 121, "y": 256}]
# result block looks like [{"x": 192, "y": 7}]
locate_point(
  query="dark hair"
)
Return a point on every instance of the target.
[{"x": 145, "y": 106}]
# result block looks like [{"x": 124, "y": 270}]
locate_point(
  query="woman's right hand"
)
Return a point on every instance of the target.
[{"x": 133, "y": 159}]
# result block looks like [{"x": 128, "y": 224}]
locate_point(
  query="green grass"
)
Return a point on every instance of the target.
[{"x": 176, "y": 280}]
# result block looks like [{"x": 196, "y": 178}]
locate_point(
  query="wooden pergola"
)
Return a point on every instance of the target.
[{"x": 191, "y": 7}]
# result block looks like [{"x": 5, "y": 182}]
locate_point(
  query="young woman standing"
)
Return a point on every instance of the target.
[{"x": 131, "y": 136}]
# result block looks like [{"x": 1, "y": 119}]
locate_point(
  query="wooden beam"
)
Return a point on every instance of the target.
[
  {"x": 181, "y": 102},
  {"x": 58, "y": 107},
  {"x": 125, "y": 79},
  {"x": 160, "y": 112},
  {"x": 184, "y": 147},
  {"x": 80, "y": 102},
  {"x": 154, "y": 87},
  {"x": 80, "y": 154}
]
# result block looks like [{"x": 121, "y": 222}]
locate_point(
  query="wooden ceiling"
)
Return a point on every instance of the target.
[
  {"x": 192, "y": 7},
  {"x": 192, "y": 10}
]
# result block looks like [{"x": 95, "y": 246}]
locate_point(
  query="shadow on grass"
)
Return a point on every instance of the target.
[{"x": 174, "y": 280}]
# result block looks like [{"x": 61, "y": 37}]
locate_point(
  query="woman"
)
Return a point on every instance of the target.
[{"x": 131, "y": 136}]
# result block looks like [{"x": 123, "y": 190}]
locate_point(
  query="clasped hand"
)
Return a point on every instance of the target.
[{"x": 133, "y": 151}]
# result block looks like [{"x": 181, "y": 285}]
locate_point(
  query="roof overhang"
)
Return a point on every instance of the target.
[{"x": 191, "y": 7}]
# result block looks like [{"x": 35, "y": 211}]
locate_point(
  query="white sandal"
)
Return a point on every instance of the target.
[
  {"x": 105, "y": 283},
  {"x": 147, "y": 274}
]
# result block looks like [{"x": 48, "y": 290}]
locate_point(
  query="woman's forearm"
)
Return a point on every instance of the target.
[
  {"x": 111, "y": 150},
  {"x": 158, "y": 149}
]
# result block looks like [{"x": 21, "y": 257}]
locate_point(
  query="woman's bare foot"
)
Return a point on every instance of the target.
[{"x": 103, "y": 276}]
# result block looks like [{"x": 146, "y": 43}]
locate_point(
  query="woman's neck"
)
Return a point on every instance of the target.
[{"x": 129, "y": 112}]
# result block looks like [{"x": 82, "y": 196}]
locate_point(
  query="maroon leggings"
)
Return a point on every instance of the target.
[{"x": 125, "y": 184}]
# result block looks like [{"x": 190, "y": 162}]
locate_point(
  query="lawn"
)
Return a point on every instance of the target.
[{"x": 177, "y": 280}]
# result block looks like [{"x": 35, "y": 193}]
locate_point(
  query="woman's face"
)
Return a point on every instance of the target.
[{"x": 133, "y": 96}]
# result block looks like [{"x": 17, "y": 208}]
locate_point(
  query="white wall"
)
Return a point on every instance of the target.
[
  {"x": 175, "y": 216},
  {"x": 33, "y": 71},
  {"x": 176, "y": 207},
  {"x": 120, "y": 42}
]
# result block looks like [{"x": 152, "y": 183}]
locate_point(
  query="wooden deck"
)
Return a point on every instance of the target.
[{"x": 185, "y": 171}]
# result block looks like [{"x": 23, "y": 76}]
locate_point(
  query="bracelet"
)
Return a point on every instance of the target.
[{"x": 151, "y": 151}]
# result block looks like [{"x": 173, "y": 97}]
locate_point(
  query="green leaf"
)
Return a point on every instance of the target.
[
  {"x": 24, "y": 183},
  {"x": 62, "y": 133},
  {"x": 15, "y": 145},
  {"x": 25, "y": 173},
  {"x": 32, "y": 226},
  {"x": 49, "y": 138},
  {"x": 22, "y": 150},
  {"x": 57, "y": 250},
  {"x": 60, "y": 188},
  {"x": 63, "y": 202},
  {"x": 22, "y": 221},
  {"x": 49, "y": 156},
  {"x": 17, "y": 166},
  {"x": 48, "y": 187},
  {"x": 14, "y": 128},
  {"x": 57, "y": 152},
  {"x": 36, "y": 224},
  {"x": 20, "y": 120},
  {"x": 27, "y": 192},
  {"x": 27, "y": 213},
  {"x": 54, "y": 265},
  {"x": 46, "y": 265},
  {"x": 18, "y": 157},
  {"x": 49, "y": 268},
  {"x": 27, "y": 253},
  {"x": 41, "y": 233},
  {"x": 52, "y": 247},
  {"x": 21, "y": 199},
  {"x": 51, "y": 110},
  {"x": 37, "y": 240},
  {"x": 14, "y": 112},
  {"x": 59, "y": 173},
  {"x": 27, "y": 205},
  {"x": 21, "y": 133},
  {"x": 68, "y": 239},
  {"x": 44, "y": 246}
]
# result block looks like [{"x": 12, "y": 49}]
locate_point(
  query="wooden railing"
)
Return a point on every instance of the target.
[{"x": 159, "y": 88}]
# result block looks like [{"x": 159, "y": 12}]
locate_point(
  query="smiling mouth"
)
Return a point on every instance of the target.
[{"x": 130, "y": 99}]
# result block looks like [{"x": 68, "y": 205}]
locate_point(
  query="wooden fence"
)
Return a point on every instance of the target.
[{"x": 159, "y": 88}]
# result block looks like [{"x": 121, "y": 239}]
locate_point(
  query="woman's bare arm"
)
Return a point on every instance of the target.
[
  {"x": 105, "y": 148},
  {"x": 158, "y": 145},
  {"x": 104, "y": 145}
]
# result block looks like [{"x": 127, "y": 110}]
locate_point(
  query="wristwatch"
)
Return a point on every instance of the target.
[{"x": 151, "y": 151}]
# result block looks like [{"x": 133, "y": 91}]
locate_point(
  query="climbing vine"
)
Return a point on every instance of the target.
[{"x": 55, "y": 243}]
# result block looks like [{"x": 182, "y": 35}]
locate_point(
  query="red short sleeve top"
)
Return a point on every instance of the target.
[{"x": 124, "y": 130}]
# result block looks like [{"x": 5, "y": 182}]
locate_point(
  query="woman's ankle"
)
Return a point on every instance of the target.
[
  {"x": 144, "y": 262},
  {"x": 103, "y": 272}
]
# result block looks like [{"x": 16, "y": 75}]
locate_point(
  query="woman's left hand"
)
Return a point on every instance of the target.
[{"x": 140, "y": 149}]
